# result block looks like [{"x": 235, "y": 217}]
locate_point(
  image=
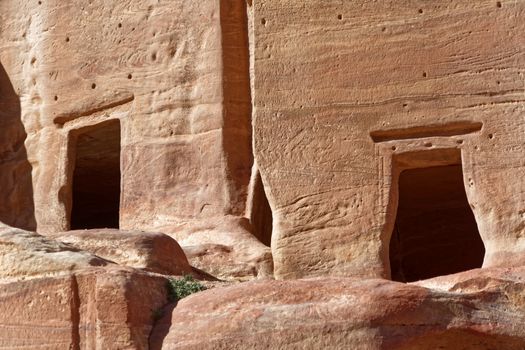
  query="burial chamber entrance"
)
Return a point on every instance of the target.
[
  {"x": 435, "y": 231},
  {"x": 95, "y": 193}
]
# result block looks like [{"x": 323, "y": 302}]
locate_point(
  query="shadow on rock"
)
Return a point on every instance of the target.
[{"x": 16, "y": 188}]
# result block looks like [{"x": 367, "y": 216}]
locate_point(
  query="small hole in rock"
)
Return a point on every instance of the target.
[
  {"x": 56, "y": 98},
  {"x": 428, "y": 144},
  {"x": 394, "y": 148},
  {"x": 420, "y": 11},
  {"x": 93, "y": 86},
  {"x": 67, "y": 39},
  {"x": 424, "y": 74},
  {"x": 153, "y": 56},
  {"x": 459, "y": 142},
  {"x": 130, "y": 76},
  {"x": 491, "y": 136},
  {"x": 339, "y": 17},
  {"x": 263, "y": 21},
  {"x": 383, "y": 29},
  {"x": 498, "y": 4},
  {"x": 120, "y": 25}
]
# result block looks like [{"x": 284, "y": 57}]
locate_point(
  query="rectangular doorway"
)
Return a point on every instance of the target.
[
  {"x": 435, "y": 232},
  {"x": 96, "y": 178}
]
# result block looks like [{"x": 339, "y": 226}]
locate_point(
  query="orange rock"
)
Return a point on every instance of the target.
[
  {"x": 345, "y": 141},
  {"x": 54, "y": 296},
  {"x": 25, "y": 255},
  {"x": 479, "y": 310},
  {"x": 154, "y": 252},
  {"x": 149, "y": 110},
  {"x": 350, "y": 96},
  {"x": 224, "y": 248},
  {"x": 98, "y": 308}
]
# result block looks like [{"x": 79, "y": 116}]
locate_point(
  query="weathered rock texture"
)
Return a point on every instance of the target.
[
  {"x": 388, "y": 142},
  {"x": 104, "y": 308},
  {"x": 125, "y": 114},
  {"x": 350, "y": 93},
  {"x": 15, "y": 171},
  {"x": 225, "y": 248},
  {"x": 154, "y": 252},
  {"x": 174, "y": 73},
  {"x": 55, "y": 297},
  {"x": 482, "y": 309},
  {"x": 25, "y": 255}
]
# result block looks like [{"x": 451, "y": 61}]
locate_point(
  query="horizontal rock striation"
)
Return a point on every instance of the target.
[{"x": 481, "y": 309}]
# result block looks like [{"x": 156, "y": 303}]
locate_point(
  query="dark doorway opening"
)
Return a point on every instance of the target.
[
  {"x": 261, "y": 214},
  {"x": 435, "y": 232},
  {"x": 96, "y": 178}
]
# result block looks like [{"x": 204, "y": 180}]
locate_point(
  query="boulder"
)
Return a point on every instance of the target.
[
  {"x": 481, "y": 309},
  {"x": 25, "y": 255},
  {"x": 224, "y": 248},
  {"x": 154, "y": 252},
  {"x": 99, "y": 308},
  {"x": 53, "y": 296}
]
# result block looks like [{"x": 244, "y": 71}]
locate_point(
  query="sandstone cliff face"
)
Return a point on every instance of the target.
[
  {"x": 349, "y": 94},
  {"x": 175, "y": 74},
  {"x": 327, "y": 149},
  {"x": 125, "y": 114},
  {"x": 15, "y": 168}
]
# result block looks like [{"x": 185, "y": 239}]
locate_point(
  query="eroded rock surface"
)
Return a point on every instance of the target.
[
  {"x": 174, "y": 76},
  {"x": 155, "y": 252},
  {"x": 137, "y": 115},
  {"x": 482, "y": 309},
  {"x": 224, "y": 248},
  {"x": 54, "y": 296},
  {"x": 98, "y": 308},
  {"x": 348, "y": 94},
  {"x": 26, "y": 255}
]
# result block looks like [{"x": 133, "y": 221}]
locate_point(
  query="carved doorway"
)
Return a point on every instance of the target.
[
  {"x": 435, "y": 232},
  {"x": 96, "y": 177}
]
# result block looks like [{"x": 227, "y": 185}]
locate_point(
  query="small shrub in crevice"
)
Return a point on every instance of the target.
[{"x": 181, "y": 288}]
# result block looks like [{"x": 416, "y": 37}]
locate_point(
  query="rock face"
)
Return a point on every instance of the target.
[
  {"x": 482, "y": 309},
  {"x": 338, "y": 147},
  {"x": 161, "y": 88},
  {"x": 25, "y": 255},
  {"x": 154, "y": 252},
  {"x": 225, "y": 248},
  {"x": 18, "y": 208},
  {"x": 103, "y": 308},
  {"x": 350, "y": 94},
  {"x": 145, "y": 126},
  {"x": 55, "y": 297}
]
